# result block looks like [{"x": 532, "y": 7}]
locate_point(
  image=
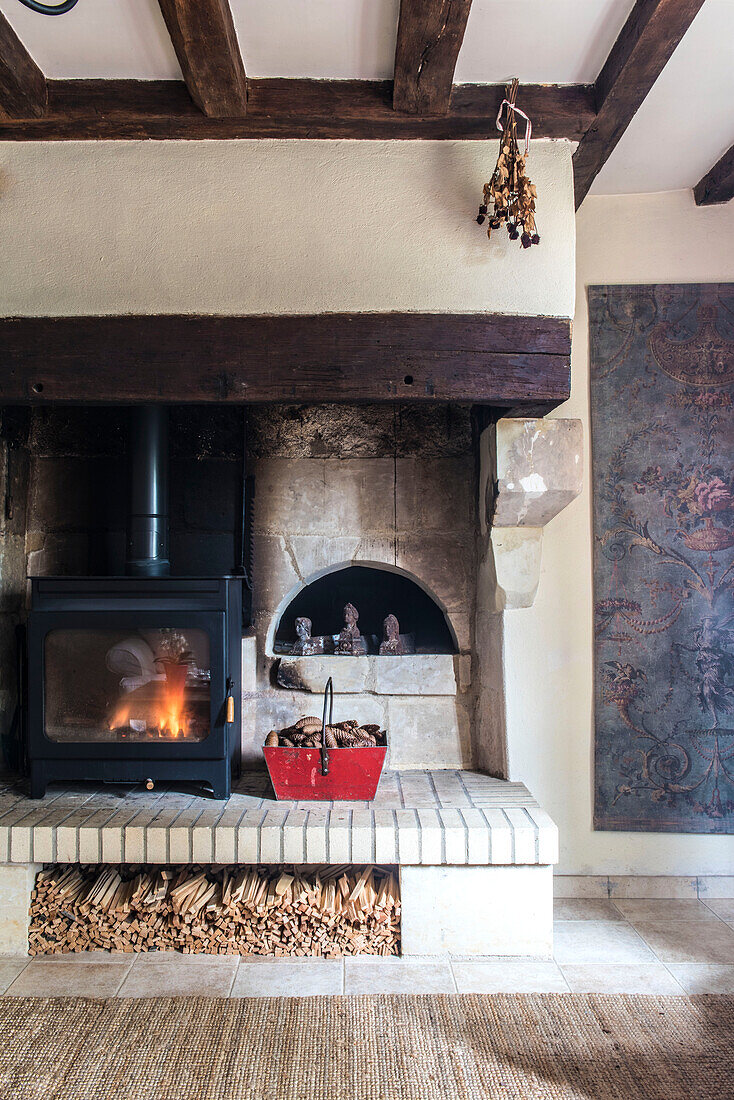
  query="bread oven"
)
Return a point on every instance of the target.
[{"x": 364, "y": 523}]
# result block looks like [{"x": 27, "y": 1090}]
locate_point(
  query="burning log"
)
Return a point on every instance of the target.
[{"x": 324, "y": 911}]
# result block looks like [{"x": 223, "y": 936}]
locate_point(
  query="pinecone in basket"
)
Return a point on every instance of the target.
[
  {"x": 306, "y": 733},
  {"x": 348, "y": 738},
  {"x": 299, "y": 737},
  {"x": 308, "y": 725}
]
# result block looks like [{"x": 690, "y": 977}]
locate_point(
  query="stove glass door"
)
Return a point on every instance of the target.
[{"x": 150, "y": 685}]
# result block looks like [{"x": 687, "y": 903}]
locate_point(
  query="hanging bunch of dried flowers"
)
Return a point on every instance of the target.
[{"x": 509, "y": 196}]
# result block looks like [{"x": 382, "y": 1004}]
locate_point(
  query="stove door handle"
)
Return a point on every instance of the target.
[{"x": 229, "y": 705}]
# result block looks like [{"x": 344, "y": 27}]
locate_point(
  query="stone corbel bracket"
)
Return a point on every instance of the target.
[{"x": 530, "y": 470}]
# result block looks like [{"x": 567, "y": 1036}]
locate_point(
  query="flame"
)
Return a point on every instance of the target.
[
  {"x": 164, "y": 715},
  {"x": 121, "y": 717},
  {"x": 172, "y": 722}
]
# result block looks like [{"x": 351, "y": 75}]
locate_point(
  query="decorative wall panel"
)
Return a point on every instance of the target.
[{"x": 662, "y": 391}]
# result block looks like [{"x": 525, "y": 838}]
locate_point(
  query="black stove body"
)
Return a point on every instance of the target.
[
  {"x": 106, "y": 660},
  {"x": 136, "y": 678}
]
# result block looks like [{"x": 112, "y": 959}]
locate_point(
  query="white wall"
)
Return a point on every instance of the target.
[
  {"x": 273, "y": 227},
  {"x": 661, "y": 238}
]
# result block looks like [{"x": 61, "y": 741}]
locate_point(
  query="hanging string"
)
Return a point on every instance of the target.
[{"x": 528, "y": 124}]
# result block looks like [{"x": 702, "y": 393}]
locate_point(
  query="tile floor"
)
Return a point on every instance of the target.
[{"x": 628, "y": 946}]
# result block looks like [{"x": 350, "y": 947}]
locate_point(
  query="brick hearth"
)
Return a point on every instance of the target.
[
  {"x": 427, "y": 818},
  {"x": 475, "y": 852}
]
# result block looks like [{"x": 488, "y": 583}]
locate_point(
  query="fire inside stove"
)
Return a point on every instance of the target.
[
  {"x": 110, "y": 686},
  {"x": 165, "y": 713}
]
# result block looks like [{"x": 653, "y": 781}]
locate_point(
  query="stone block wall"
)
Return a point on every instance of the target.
[
  {"x": 405, "y": 488},
  {"x": 392, "y": 487}
]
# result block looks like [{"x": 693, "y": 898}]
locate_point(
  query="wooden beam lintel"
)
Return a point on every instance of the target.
[
  {"x": 503, "y": 361},
  {"x": 82, "y": 110}
]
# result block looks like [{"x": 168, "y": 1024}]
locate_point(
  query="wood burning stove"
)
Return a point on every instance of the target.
[
  {"x": 130, "y": 679},
  {"x": 135, "y": 678}
]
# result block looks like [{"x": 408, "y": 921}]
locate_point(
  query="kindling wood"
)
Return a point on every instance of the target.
[
  {"x": 430, "y": 33},
  {"x": 88, "y": 110},
  {"x": 22, "y": 84},
  {"x": 205, "y": 41},
  {"x": 520, "y": 364},
  {"x": 644, "y": 46},
  {"x": 718, "y": 184},
  {"x": 326, "y": 911}
]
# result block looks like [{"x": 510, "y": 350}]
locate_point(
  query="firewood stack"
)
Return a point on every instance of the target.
[{"x": 320, "y": 911}]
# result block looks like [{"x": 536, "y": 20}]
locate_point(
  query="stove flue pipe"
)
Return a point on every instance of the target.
[{"x": 147, "y": 529}]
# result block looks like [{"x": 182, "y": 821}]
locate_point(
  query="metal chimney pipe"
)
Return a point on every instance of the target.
[{"x": 147, "y": 532}]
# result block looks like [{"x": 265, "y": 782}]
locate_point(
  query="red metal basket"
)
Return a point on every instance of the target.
[{"x": 325, "y": 774}]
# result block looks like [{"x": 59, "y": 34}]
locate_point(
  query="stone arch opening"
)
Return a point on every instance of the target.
[{"x": 376, "y": 590}]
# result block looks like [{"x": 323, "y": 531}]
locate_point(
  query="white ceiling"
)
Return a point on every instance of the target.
[
  {"x": 563, "y": 41},
  {"x": 687, "y": 120},
  {"x": 681, "y": 130},
  {"x": 97, "y": 38}
]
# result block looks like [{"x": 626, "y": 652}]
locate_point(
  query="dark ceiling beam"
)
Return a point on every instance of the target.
[
  {"x": 504, "y": 361},
  {"x": 22, "y": 84},
  {"x": 80, "y": 110},
  {"x": 430, "y": 33},
  {"x": 718, "y": 184},
  {"x": 205, "y": 41},
  {"x": 645, "y": 45}
]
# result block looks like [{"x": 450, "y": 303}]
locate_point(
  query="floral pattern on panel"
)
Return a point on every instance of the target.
[{"x": 662, "y": 403}]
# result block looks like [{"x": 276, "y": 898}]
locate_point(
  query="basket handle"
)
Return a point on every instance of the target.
[{"x": 328, "y": 703}]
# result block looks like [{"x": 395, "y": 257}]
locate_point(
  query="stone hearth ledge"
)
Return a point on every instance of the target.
[
  {"x": 412, "y": 674},
  {"x": 475, "y": 853}
]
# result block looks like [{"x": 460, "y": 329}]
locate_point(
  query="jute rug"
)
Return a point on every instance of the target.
[{"x": 546, "y": 1046}]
